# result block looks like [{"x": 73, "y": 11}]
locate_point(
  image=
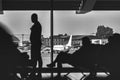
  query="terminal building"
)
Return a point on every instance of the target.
[{"x": 76, "y": 40}]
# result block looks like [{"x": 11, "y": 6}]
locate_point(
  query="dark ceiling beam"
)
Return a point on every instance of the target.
[
  {"x": 107, "y": 5},
  {"x": 58, "y": 5},
  {"x": 25, "y": 5}
]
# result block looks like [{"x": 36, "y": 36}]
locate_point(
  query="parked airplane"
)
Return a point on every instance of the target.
[
  {"x": 46, "y": 50},
  {"x": 63, "y": 47}
]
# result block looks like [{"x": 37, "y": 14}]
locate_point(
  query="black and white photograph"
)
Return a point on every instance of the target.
[{"x": 59, "y": 39}]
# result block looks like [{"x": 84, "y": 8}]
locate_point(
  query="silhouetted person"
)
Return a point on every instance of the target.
[
  {"x": 84, "y": 57},
  {"x": 10, "y": 56},
  {"x": 4, "y": 39},
  {"x": 35, "y": 38},
  {"x": 110, "y": 56},
  {"x": 7, "y": 53}
]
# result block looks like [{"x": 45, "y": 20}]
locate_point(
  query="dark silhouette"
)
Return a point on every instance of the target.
[
  {"x": 10, "y": 56},
  {"x": 5, "y": 41},
  {"x": 35, "y": 38},
  {"x": 84, "y": 57},
  {"x": 25, "y": 64},
  {"x": 110, "y": 56}
]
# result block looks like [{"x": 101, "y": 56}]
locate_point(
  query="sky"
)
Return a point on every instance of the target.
[{"x": 19, "y": 22}]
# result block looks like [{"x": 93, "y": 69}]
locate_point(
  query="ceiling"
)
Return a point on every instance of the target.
[{"x": 58, "y": 4}]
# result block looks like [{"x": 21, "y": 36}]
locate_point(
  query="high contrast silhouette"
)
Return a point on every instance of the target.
[
  {"x": 110, "y": 56},
  {"x": 84, "y": 57},
  {"x": 10, "y": 56},
  {"x": 35, "y": 38}
]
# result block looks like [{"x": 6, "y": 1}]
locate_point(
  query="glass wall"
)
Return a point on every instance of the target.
[{"x": 66, "y": 23}]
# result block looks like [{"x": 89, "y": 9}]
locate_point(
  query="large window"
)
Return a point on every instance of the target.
[{"x": 66, "y": 23}]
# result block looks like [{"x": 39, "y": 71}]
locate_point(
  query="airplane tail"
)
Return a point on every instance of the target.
[{"x": 70, "y": 41}]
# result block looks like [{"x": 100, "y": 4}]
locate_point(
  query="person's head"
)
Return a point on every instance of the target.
[
  {"x": 116, "y": 35},
  {"x": 86, "y": 41},
  {"x": 34, "y": 17},
  {"x": 110, "y": 39},
  {"x": 116, "y": 38}
]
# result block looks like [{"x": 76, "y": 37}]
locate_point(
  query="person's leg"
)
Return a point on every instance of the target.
[
  {"x": 33, "y": 61},
  {"x": 33, "y": 56},
  {"x": 40, "y": 63},
  {"x": 39, "y": 75},
  {"x": 62, "y": 56},
  {"x": 54, "y": 62}
]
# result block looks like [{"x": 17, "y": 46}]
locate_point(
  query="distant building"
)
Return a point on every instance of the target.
[
  {"x": 24, "y": 38},
  {"x": 46, "y": 42},
  {"x": 57, "y": 40},
  {"x": 63, "y": 39},
  {"x": 16, "y": 40},
  {"x": 76, "y": 40},
  {"x": 99, "y": 41},
  {"x": 96, "y": 40}
]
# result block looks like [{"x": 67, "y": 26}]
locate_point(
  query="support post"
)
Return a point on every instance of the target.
[{"x": 51, "y": 30}]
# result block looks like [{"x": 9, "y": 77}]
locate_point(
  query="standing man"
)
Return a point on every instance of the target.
[{"x": 35, "y": 38}]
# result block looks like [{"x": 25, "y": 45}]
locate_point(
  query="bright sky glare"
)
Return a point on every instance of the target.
[{"x": 64, "y": 21}]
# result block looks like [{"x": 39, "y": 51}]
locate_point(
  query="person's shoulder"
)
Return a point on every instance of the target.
[
  {"x": 38, "y": 23},
  {"x": 92, "y": 45},
  {"x": 96, "y": 45}
]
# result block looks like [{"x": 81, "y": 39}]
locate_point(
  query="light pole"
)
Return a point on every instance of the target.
[{"x": 22, "y": 38}]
